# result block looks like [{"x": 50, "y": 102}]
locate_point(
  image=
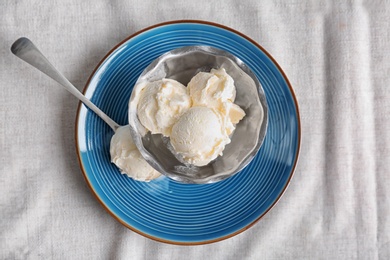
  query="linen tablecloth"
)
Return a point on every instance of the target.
[{"x": 338, "y": 61}]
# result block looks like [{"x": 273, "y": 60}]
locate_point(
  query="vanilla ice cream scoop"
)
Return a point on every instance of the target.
[
  {"x": 212, "y": 88},
  {"x": 160, "y": 104},
  {"x": 198, "y": 136},
  {"x": 216, "y": 89},
  {"x": 127, "y": 157}
]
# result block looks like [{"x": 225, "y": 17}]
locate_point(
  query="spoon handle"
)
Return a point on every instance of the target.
[{"x": 24, "y": 49}]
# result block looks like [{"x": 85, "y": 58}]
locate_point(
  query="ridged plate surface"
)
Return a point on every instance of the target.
[{"x": 166, "y": 210}]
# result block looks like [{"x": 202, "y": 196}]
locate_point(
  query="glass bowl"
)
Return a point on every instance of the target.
[{"x": 182, "y": 64}]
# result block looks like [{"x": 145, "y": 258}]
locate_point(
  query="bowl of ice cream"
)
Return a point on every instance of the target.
[{"x": 198, "y": 114}]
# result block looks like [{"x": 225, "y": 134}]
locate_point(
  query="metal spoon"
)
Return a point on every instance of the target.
[
  {"x": 27, "y": 51},
  {"x": 24, "y": 49}
]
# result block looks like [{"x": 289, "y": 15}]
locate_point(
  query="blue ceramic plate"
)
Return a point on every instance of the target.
[{"x": 166, "y": 210}]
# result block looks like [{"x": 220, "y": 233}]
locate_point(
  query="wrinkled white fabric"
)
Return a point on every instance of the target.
[{"x": 337, "y": 57}]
